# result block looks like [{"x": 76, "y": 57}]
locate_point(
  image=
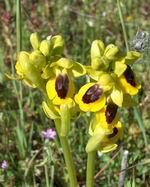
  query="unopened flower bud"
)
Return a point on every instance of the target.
[
  {"x": 45, "y": 47},
  {"x": 58, "y": 45},
  {"x": 95, "y": 63},
  {"x": 110, "y": 51},
  {"x": 30, "y": 73},
  {"x": 38, "y": 59},
  {"x": 23, "y": 59},
  {"x": 35, "y": 41},
  {"x": 97, "y": 49}
]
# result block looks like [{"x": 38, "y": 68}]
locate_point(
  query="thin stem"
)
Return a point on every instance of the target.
[
  {"x": 137, "y": 113},
  {"x": 18, "y": 25},
  {"x": 123, "y": 25},
  {"x": 46, "y": 176},
  {"x": 19, "y": 92},
  {"x": 90, "y": 169},
  {"x": 52, "y": 175},
  {"x": 67, "y": 156},
  {"x": 19, "y": 48}
]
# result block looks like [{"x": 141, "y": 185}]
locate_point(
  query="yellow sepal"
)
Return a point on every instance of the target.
[
  {"x": 50, "y": 111},
  {"x": 117, "y": 96}
]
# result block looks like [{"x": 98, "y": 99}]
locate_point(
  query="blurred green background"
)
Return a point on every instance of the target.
[{"x": 29, "y": 158}]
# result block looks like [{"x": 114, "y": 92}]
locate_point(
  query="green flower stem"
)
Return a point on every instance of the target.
[
  {"x": 46, "y": 176},
  {"x": 123, "y": 25},
  {"x": 19, "y": 47},
  {"x": 137, "y": 113},
  {"x": 22, "y": 144},
  {"x": 18, "y": 25},
  {"x": 90, "y": 169},
  {"x": 67, "y": 155}
]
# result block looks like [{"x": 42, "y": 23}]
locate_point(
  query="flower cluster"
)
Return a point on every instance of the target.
[{"x": 112, "y": 85}]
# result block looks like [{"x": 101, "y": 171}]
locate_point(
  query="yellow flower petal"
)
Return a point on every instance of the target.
[
  {"x": 119, "y": 68},
  {"x": 106, "y": 81},
  {"x": 65, "y": 63},
  {"x": 108, "y": 148},
  {"x": 78, "y": 69},
  {"x": 50, "y": 88},
  {"x": 93, "y": 73},
  {"x": 117, "y": 96}
]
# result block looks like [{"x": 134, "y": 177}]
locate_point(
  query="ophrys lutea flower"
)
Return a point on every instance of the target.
[
  {"x": 104, "y": 140},
  {"x": 60, "y": 86},
  {"x": 60, "y": 89},
  {"x": 91, "y": 97},
  {"x": 126, "y": 76},
  {"x": 129, "y": 82},
  {"x": 108, "y": 116}
]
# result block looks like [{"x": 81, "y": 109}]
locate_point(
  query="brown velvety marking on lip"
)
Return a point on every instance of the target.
[
  {"x": 62, "y": 85},
  {"x": 115, "y": 131},
  {"x": 92, "y": 94},
  {"x": 129, "y": 75},
  {"x": 110, "y": 112}
]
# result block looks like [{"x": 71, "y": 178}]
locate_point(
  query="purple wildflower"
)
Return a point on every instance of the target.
[
  {"x": 4, "y": 165},
  {"x": 49, "y": 134}
]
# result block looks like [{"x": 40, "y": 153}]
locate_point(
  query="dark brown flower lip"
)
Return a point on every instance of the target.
[
  {"x": 129, "y": 75},
  {"x": 110, "y": 113},
  {"x": 115, "y": 131},
  {"x": 92, "y": 94},
  {"x": 62, "y": 85}
]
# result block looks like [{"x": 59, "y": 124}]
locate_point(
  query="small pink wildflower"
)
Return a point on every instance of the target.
[
  {"x": 4, "y": 165},
  {"x": 49, "y": 134}
]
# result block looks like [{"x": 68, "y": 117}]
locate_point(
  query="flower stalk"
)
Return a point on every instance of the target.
[
  {"x": 20, "y": 129},
  {"x": 123, "y": 24},
  {"x": 67, "y": 155},
  {"x": 90, "y": 169}
]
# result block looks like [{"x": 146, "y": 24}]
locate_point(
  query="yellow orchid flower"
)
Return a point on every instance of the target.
[
  {"x": 120, "y": 65},
  {"x": 60, "y": 89},
  {"x": 108, "y": 116},
  {"x": 91, "y": 97},
  {"x": 110, "y": 141},
  {"x": 104, "y": 140},
  {"x": 128, "y": 82}
]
